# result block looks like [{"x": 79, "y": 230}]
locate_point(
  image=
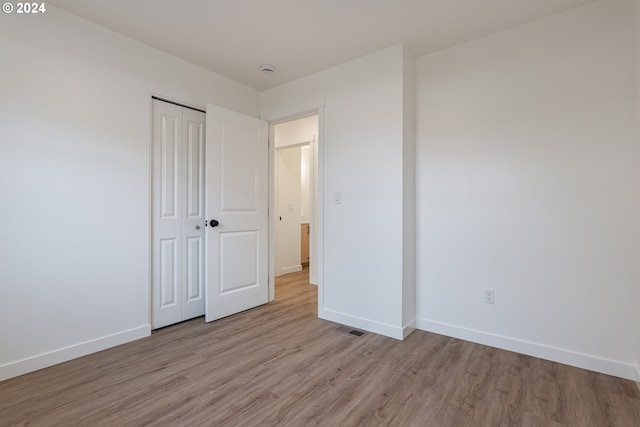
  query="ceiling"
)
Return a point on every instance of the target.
[{"x": 301, "y": 37}]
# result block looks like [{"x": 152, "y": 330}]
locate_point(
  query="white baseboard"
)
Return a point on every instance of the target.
[
  {"x": 554, "y": 354},
  {"x": 313, "y": 280},
  {"x": 362, "y": 323},
  {"x": 292, "y": 269},
  {"x": 44, "y": 360}
]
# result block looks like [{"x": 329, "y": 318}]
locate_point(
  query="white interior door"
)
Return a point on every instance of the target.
[
  {"x": 177, "y": 214},
  {"x": 237, "y": 187}
]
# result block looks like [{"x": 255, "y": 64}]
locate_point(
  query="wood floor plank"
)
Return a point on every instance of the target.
[{"x": 279, "y": 365}]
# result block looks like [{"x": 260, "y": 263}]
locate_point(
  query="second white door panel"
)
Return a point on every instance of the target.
[
  {"x": 193, "y": 184},
  {"x": 178, "y": 214}
]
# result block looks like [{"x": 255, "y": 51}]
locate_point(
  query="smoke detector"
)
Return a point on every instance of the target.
[{"x": 267, "y": 68}]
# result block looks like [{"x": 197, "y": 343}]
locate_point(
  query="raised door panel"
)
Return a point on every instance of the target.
[
  {"x": 194, "y": 271},
  {"x": 194, "y": 170},
  {"x": 169, "y": 172},
  {"x": 238, "y": 255},
  {"x": 169, "y": 269},
  {"x": 239, "y": 168}
]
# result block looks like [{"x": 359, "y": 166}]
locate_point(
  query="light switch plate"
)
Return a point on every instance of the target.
[{"x": 489, "y": 296}]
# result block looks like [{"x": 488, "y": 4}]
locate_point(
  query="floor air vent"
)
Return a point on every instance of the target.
[{"x": 348, "y": 330}]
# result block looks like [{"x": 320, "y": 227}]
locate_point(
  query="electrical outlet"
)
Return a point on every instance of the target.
[{"x": 489, "y": 296}]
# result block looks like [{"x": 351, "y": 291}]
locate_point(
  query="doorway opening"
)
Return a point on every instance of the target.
[{"x": 295, "y": 198}]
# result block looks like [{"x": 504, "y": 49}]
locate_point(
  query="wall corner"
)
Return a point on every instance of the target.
[{"x": 408, "y": 187}]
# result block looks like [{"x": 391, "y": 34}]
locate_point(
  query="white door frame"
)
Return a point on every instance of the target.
[{"x": 317, "y": 213}]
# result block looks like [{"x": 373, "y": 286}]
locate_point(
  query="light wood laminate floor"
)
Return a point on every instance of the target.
[{"x": 279, "y": 365}]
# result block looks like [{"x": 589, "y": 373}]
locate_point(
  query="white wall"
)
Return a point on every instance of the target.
[
  {"x": 409, "y": 189},
  {"x": 296, "y": 131},
  {"x": 289, "y": 204},
  {"x": 74, "y": 180},
  {"x": 637, "y": 56},
  {"x": 527, "y": 182},
  {"x": 362, "y": 146}
]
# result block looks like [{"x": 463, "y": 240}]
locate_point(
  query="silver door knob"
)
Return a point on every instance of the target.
[{"x": 197, "y": 227}]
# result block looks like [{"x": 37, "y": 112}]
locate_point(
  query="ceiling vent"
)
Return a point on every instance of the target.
[{"x": 267, "y": 68}]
